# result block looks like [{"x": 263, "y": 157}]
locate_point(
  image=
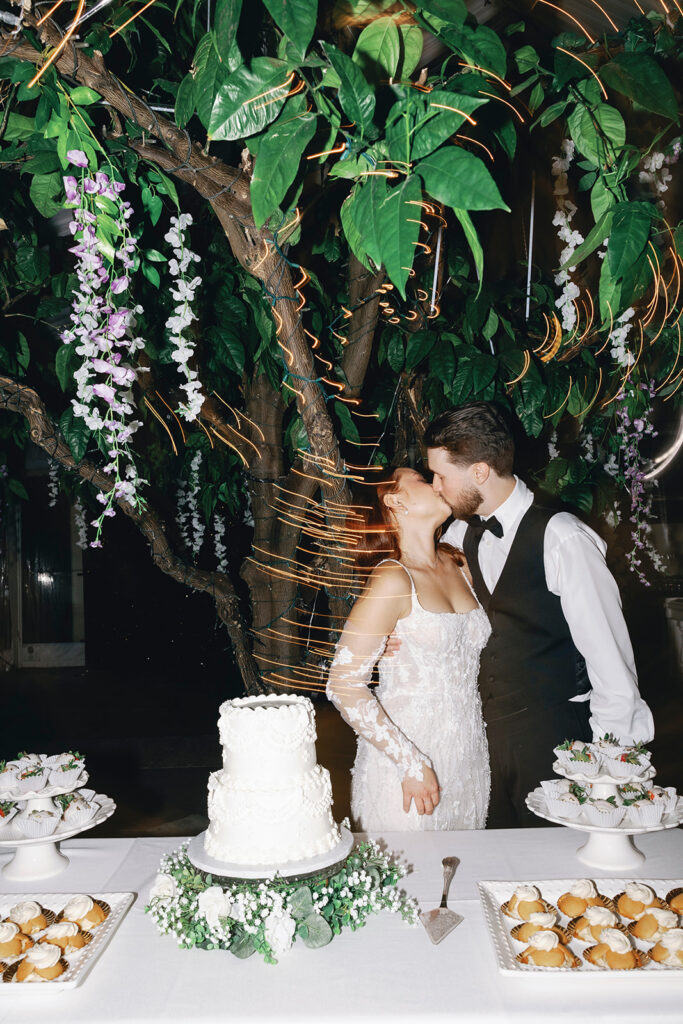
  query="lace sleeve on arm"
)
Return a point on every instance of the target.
[{"x": 347, "y": 688}]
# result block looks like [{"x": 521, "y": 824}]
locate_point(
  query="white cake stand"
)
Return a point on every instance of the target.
[
  {"x": 609, "y": 849},
  {"x": 41, "y": 858},
  {"x": 292, "y": 870}
]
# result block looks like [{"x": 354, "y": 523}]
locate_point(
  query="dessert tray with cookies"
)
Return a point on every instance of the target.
[
  {"x": 42, "y": 801},
  {"x": 611, "y": 925},
  {"x": 605, "y": 788},
  {"x": 56, "y": 938}
]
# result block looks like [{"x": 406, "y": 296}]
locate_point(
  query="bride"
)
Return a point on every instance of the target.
[{"x": 422, "y": 759}]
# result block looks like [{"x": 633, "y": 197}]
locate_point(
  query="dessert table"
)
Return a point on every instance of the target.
[{"x": 387, "y": 971}]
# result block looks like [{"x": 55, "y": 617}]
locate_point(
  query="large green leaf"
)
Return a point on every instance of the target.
[
  {"x": 399, "y": 230},
  {"x": 378, "y": 49},
  {"x": 277, "y": 163},
  {"x": 411, "y": 40},
  {"x": 227, "y": 18},
  {"x": 355, "y": 95},
  {"x": 630, "y": 231},
  {"x": 66, "y": 362},
  {"x": 296, "y": 18},
  {"x": 185, "y": 101},
  {"x": 458, "y": 178},
  {"x": 395, "y": 353},
  {"x": 212, "y": 72},
  {"x": 76, "y": 433},
  {"x": 449, "y": 111},
  {"x": 366, "y": 215},
  {"x": 639, "y": 76},
  {"x": 44, "y": 190},
  {"x": 595, "y": 238},
  {"x": 599, "y": 133},
  {"x": 453, "y": 11},
  {"x": 442, "y": 363},
  {"x": 418, "y": 347},
  {"x": 351, "y": 232},
  {"x": 349, "y": 428},
  {"x": 249, "y": 99},
  {"x": 473, "y": 242}
]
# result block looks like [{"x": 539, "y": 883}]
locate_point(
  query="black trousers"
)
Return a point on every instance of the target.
[{"x": 521, "y": 754}]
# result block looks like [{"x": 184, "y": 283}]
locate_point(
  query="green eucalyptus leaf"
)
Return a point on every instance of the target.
[
  {"x": 318, "y": 932},
  {"x": 277, "y": 163},
  {"x": 296, "y": 18},
  {"x": 355, "y": 95},
  {"x": 242, "y": 945},
  {"x": 460, "y": 179},
  {"x": 301, "y": 903},
  {"x": 249, "y": 99}
]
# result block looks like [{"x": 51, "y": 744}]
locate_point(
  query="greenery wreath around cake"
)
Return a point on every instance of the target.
[{"x": 267, "y": 916}]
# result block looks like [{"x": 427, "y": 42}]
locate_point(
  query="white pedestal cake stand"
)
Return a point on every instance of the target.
[
  {"x": 292, "y": 870},
  {"x": 609, "y": 849},
  {"x": 41, "y": 858}
]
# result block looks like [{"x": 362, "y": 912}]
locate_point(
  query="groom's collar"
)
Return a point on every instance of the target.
[{"x": 512, "y": 508}]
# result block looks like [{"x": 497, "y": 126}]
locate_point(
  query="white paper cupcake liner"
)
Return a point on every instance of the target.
[
  {"x": 37, "y": 828},
  {"x": 80, "y": 817},
  {"x": 554, "y": 787},
  {"x": 562, "y": 809},
  {"x": 65, "y": 780},
  {"x": 588, "y": 768},
  {"x": 32, "y": 784},
  {"x": 607, "y": 819},
  {"x": 562, "y": 755},
  {"x": 622, "y": 769},
  {"x": 646, "y": 814},
  {"x": 7, "y": 818}
]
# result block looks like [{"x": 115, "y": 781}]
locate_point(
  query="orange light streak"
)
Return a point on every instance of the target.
[
  {"x": 136, "y": 15},
  {"x": 182, "y": 432},
  {"x": 382, "y": 174},
  {"x": 276, "y": 88},
  {"x": 611, "y": 326},
  {"x": 476, "y": 142},
  {"x": 51, "y": 11},
  {"x": 161, "y": 420},
  {"x": 486, "y": 71},
  {"x": 587, "y": 34},
  {"x": 589, "y": 319},
  {"x": 328, "y": 152},
  {"x": 229, "y": 444},
  {"x": 562, "y": 404},
  {"x": 316, "y": 341},
  {"x": 597, "y": 392},
  {"x": 675, "y": 391},
  {"x": 456, "y": 110},
  {"x": 493, "y": 96},
  {"x": 603, "y": 11},
  {"x": 527, "y": 363},
  {"x": 365, "y": 416},
  {"x": 587, "y": 66},
  {"x": 241, "y": 436},
  {"x": 207, "y": 434},
  {"x": 60, "y": 46}
]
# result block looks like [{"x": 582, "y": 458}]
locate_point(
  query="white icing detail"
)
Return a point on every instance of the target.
[
  {"x": 43, "y": 955},
  {"x": 77, "y": 907},
  {"x": 672, "y": 941},
  {"x": 526, "y": 893},
  {"x": 8, "y": 931},
  {"x": 543, "y": 920},
  {"x": 616, "y": 940},
  {"x": 544, "y": 940},
  {"x": 24, "y": 912},
  {"x": 62, "y": 930},
  {"x": 639, "y": 893},
  {"x": 664, "y": 918},
  {"x": 597, "y": 916},
  {"x": 583, "y": 889}
]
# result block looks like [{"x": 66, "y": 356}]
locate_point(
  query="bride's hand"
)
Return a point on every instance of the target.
[
  {"x": 393, "y": 646},
  {"x": 425, "y": 793}
]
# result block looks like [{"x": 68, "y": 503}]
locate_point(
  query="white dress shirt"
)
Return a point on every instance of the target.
[{"x": 575, "y": 570}]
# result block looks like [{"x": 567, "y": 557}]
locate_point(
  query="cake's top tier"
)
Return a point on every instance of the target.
[{"x": 267, "y": 738}]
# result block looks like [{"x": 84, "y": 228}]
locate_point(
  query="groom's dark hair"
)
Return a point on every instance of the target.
[{"x": 476, "y": 432}]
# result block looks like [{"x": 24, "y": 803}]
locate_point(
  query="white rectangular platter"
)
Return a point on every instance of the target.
[
  {"x": 83, "y": 960},
  {"x": 494, "y": 893}
]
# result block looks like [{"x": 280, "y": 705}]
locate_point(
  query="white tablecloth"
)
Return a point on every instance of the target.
[{"x": 384, "y": 972}]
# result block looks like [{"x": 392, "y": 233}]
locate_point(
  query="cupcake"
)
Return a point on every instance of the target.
[
  {"x": 66, "y": 773},
  {"x": 566, "y": 805},
  {"x": 13, "y": 942},
  {"x": 555, "y": 787},
  {"x": 590, "y": 925},
  {"x": 8, "y": 809},
  {"x": 546, "y": 950},
  {"x": 581, "y": 894},
  {"x": 31, "y": 779},
  {"x": 30, "y": 917},
  {"x": 582, "y": 761},
  {"x": 632, "y": 761},
  {"x": 571, "y": 749},
  {"x": 645, "y": 811},
  {"x": 635, "y": 900},
  {"x": 76, "y": 810},
  {"x": 630, "y": 792},
  {"x": 42, "y": 963},
  {"x": 67, "y": 935},
  {"x": 606, "y": 813},
  {"x": 615, "y": 951},
  {"x": 674, "y": 899},
  {"x": 84, "y": 912},
  {"x": 543, "y": 922},
  {"x": 38, "y": 824},
  {"x": 8, "y": 777},
  {"x": 608, "y": 746},
  {"x": 654, "y": 923},
  {"x": 666, "y": 796},
  {"x": 525, "y": 901},
  {"x": 669, "y": 949}
]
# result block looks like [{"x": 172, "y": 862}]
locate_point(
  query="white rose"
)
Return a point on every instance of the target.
[
  {"x": 279, "y": 932},
  {"x": 214, "y": 903},
  {"x": 164, "y": 888}
]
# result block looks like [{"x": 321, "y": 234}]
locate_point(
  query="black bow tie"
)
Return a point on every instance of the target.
[{"x": 479, "y": 525}]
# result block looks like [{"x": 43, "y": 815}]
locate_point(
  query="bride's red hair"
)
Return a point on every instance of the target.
[{"x": 377, "y": 533}]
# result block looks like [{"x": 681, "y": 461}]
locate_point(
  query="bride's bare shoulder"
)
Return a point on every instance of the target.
[{"x": 388, "y": 580}]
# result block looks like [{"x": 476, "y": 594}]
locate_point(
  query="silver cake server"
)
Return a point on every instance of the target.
[{"x": 441, "y": 921}]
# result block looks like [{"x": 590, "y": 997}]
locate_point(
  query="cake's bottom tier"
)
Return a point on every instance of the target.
[{"x": 262, "y": 826}]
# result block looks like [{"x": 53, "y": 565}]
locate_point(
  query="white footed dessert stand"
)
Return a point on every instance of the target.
[
  {"x": 41, "y": 858},
  {"x": 608, "y": 849},
  {"x": 292, "y": 870}
]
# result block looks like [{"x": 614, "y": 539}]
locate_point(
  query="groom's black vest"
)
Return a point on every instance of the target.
[{"x": 530, "y": 660}]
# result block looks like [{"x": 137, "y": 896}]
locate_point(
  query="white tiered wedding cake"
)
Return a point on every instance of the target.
[{"x": 271, "y": 802}]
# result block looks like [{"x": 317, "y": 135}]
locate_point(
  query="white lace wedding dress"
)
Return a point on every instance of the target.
[{"x": 426, "y": 709}]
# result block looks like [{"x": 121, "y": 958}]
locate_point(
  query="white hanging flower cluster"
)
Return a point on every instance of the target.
[
  {"x": 80, "y": 524},
  {"x": 52, "y": 485},
  {"x": 219, "y": 547},
  {"x": 621, "y": 328},
  {"x": 572, "y": 239},
  {"x": 656, "y": 173},
  {"x": 196, "y": 520},
  {"x": 183, "y": 291},
  {"x": 182, "y": 513}
]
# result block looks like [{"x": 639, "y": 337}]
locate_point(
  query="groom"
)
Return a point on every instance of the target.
[{"x": 559, "y": 641}]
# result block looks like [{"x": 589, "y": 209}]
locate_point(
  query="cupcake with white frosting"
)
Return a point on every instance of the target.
[
  {"x": 655, "y": 923},
  {"x": 634, "y": 761},
  {"x": 67, "y": 935},
  {"x": 13, "y": 942},
  {"x": 669, "y": 950},
  {"x": 614, "y": 951},
  {"x": 581, "y": 894},
  {"x": 635, "y": 900},
  {"x": 546, "y": 950},
  {"x": 589, "y": 927},
  {"x": 42, "y": 963},
  {"x": 84, "y": 912}
]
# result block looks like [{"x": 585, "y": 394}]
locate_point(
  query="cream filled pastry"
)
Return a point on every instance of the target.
[
  {"x": 589, "y": 926},
  {"x": 525, "y": 900},
  {"x": 546, "y": 950},
  {"x": 669, "y": 949},
  {"x": 538, "y": 922},
  {"x": 29, "y": 916},
  {"x": 84, "y": 911},
  {"x": 13, "y": 942},
  {"x": 65, "y": 934},
  {"x": 653, "y": 924},
  {"x": 635, "y": 900},
  {"x": 42, "y": 963},
  {"x": 581, "y": 894},
  {"x": 614, "y": 950}
]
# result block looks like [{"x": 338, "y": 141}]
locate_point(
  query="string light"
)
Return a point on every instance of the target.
[
  {"x": 493, "y": 96},
  {"x": 587, "y": 66},
  {"x": 161, "y": 420},
  {"x": 576, "y": 21},
  {"x": 161, "y": 399},
  {"x": 134, "y": 16},
  {"x": 60, "y": 46}
]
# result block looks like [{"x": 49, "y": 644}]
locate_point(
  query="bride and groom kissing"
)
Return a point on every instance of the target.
[{"x": 506, "y": 636}]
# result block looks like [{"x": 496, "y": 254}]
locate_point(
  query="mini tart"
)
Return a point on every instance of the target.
[
  {"x": 44, "y": 963},
  {"x": 67, "y": 935},
  {"x": 39, "y": 917},
  {"x": 15, "y": 944},
  {"x": 525, "y": 901},
  {"x": 674, "y": 900},
  {"x": 602, "y": 956},
  {"x": 523, "y": 932},
  {"x": 649, "y": 929},
  {"x": 574, "y": 906},
  {"x": 85, "y": 911},
  {"x": 583, "y": 931},
  {"x": 561, "y": 956},
  {"x": 634, "y": 909},
  {"x": 665, "y": 951}
]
